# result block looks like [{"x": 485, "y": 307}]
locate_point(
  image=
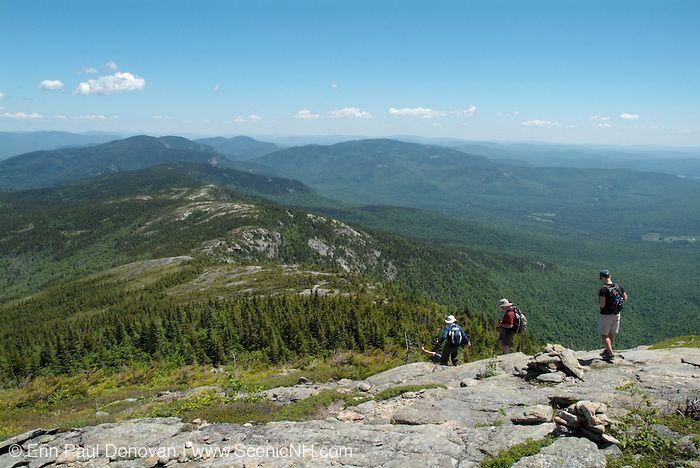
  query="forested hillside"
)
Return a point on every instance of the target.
[
  {"x": 111, "y": 321},
  {"x": 58, "y": 235}
]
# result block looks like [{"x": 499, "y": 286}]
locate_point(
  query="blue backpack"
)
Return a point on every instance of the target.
[{"x": 455, "y": 336}]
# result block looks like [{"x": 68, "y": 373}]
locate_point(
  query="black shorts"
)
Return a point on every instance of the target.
[{"x": 506, "y": 336}]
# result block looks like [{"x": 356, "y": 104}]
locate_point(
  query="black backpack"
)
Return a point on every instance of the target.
[{"x": 615, "y": 299}]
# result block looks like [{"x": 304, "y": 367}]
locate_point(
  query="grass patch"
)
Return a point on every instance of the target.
[
  {"x": 393, "y": 392},
  {"x": 8, "y": 431},
  {"x": 641, "y": 445},
  {"x": 688, "y": 341},
  {"x": 69, "y": 401},
  {"x": 261, "y": 411},
  {"x": 342, "y": 365},
  {"x": 682, "y": 424},
  {"x": 506, "y": 458}
]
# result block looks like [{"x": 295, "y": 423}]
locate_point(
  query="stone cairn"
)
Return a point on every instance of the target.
[
  {"x": 553, "y": 365},
  {"x": 587, "y": 419}
]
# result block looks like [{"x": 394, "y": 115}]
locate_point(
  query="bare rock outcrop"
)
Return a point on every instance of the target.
[{"x": 441, "y": 424}]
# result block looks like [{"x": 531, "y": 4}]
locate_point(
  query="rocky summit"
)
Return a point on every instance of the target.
[{"x": 436, "y": 416}]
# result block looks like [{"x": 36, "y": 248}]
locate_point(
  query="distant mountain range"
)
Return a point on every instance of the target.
[
  {"x": 239, "y": 148},
  {"x": 676, "y": 161},
  {"x": 56, "y": 167},
  {"x": 14, "y": 143},
  {"x": 614, "y": 201}
]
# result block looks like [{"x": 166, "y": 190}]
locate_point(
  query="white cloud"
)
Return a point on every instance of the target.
[
  {"x": 119, "y": 82},
  {"x": 305, "y": 114},
  {"x": 111, "y": 66},
  {"x": 626, "y": 116},
  {"x": 604, "y": 125},
  {"x": 349, "y": 113},
  {"x": 422, "y": 112},
  {"x": 251, "y": 118},
  {"x": 60, "y": 117},
  {"x": 541, "y": 123},
  {"x": 22, "y": 116},
  {"x": 88, "y": 70},
  {"x": 687, "y": 130},
  {"x": 600, "y": 118},
  {"x": 161, "y": 117},
  {"x": 51, "y": 85},
  {"x": 216, "y": 88},
  {"x": 471, "y": 110},
  {"x": 2, "y": 95},
  {"x": 334, "y": 85},
  {"x": 92, "y": 117}
]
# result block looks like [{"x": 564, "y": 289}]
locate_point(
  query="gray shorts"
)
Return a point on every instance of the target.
[{"x": 608, "y": 324}]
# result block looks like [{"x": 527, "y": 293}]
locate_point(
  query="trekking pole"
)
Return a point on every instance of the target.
[{"x": 405, "y": 334}]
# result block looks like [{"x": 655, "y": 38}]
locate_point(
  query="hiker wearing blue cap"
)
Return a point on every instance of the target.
[{"x": 611, "y": 300}]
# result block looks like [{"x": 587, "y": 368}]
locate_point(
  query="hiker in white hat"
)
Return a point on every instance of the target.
[
  {"x": 506, "y": 325},
  {"x": 454, "y": 337}
]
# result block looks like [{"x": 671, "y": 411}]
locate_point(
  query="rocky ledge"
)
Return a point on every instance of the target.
[{"x": 459, "y": 421}]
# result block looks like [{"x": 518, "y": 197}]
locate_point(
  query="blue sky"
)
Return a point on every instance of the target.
[{"x": 624, "y": 72}]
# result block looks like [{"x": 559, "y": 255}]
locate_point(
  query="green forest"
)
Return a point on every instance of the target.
[{"x": 105, "y": 324}]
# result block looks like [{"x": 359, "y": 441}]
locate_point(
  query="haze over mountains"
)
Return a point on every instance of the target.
[
  {"x": 14, "y": 143},
  {"x": 616, "y": 200},
  {"x": 239, "y": 148},
  {"x": 676, "y": 161}
]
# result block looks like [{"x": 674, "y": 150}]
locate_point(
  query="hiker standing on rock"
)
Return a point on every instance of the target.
[
  {"x": 611, "y": 300},
  {"x": 454, "y": 337},
  {"x": 506, "y": 325}
]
